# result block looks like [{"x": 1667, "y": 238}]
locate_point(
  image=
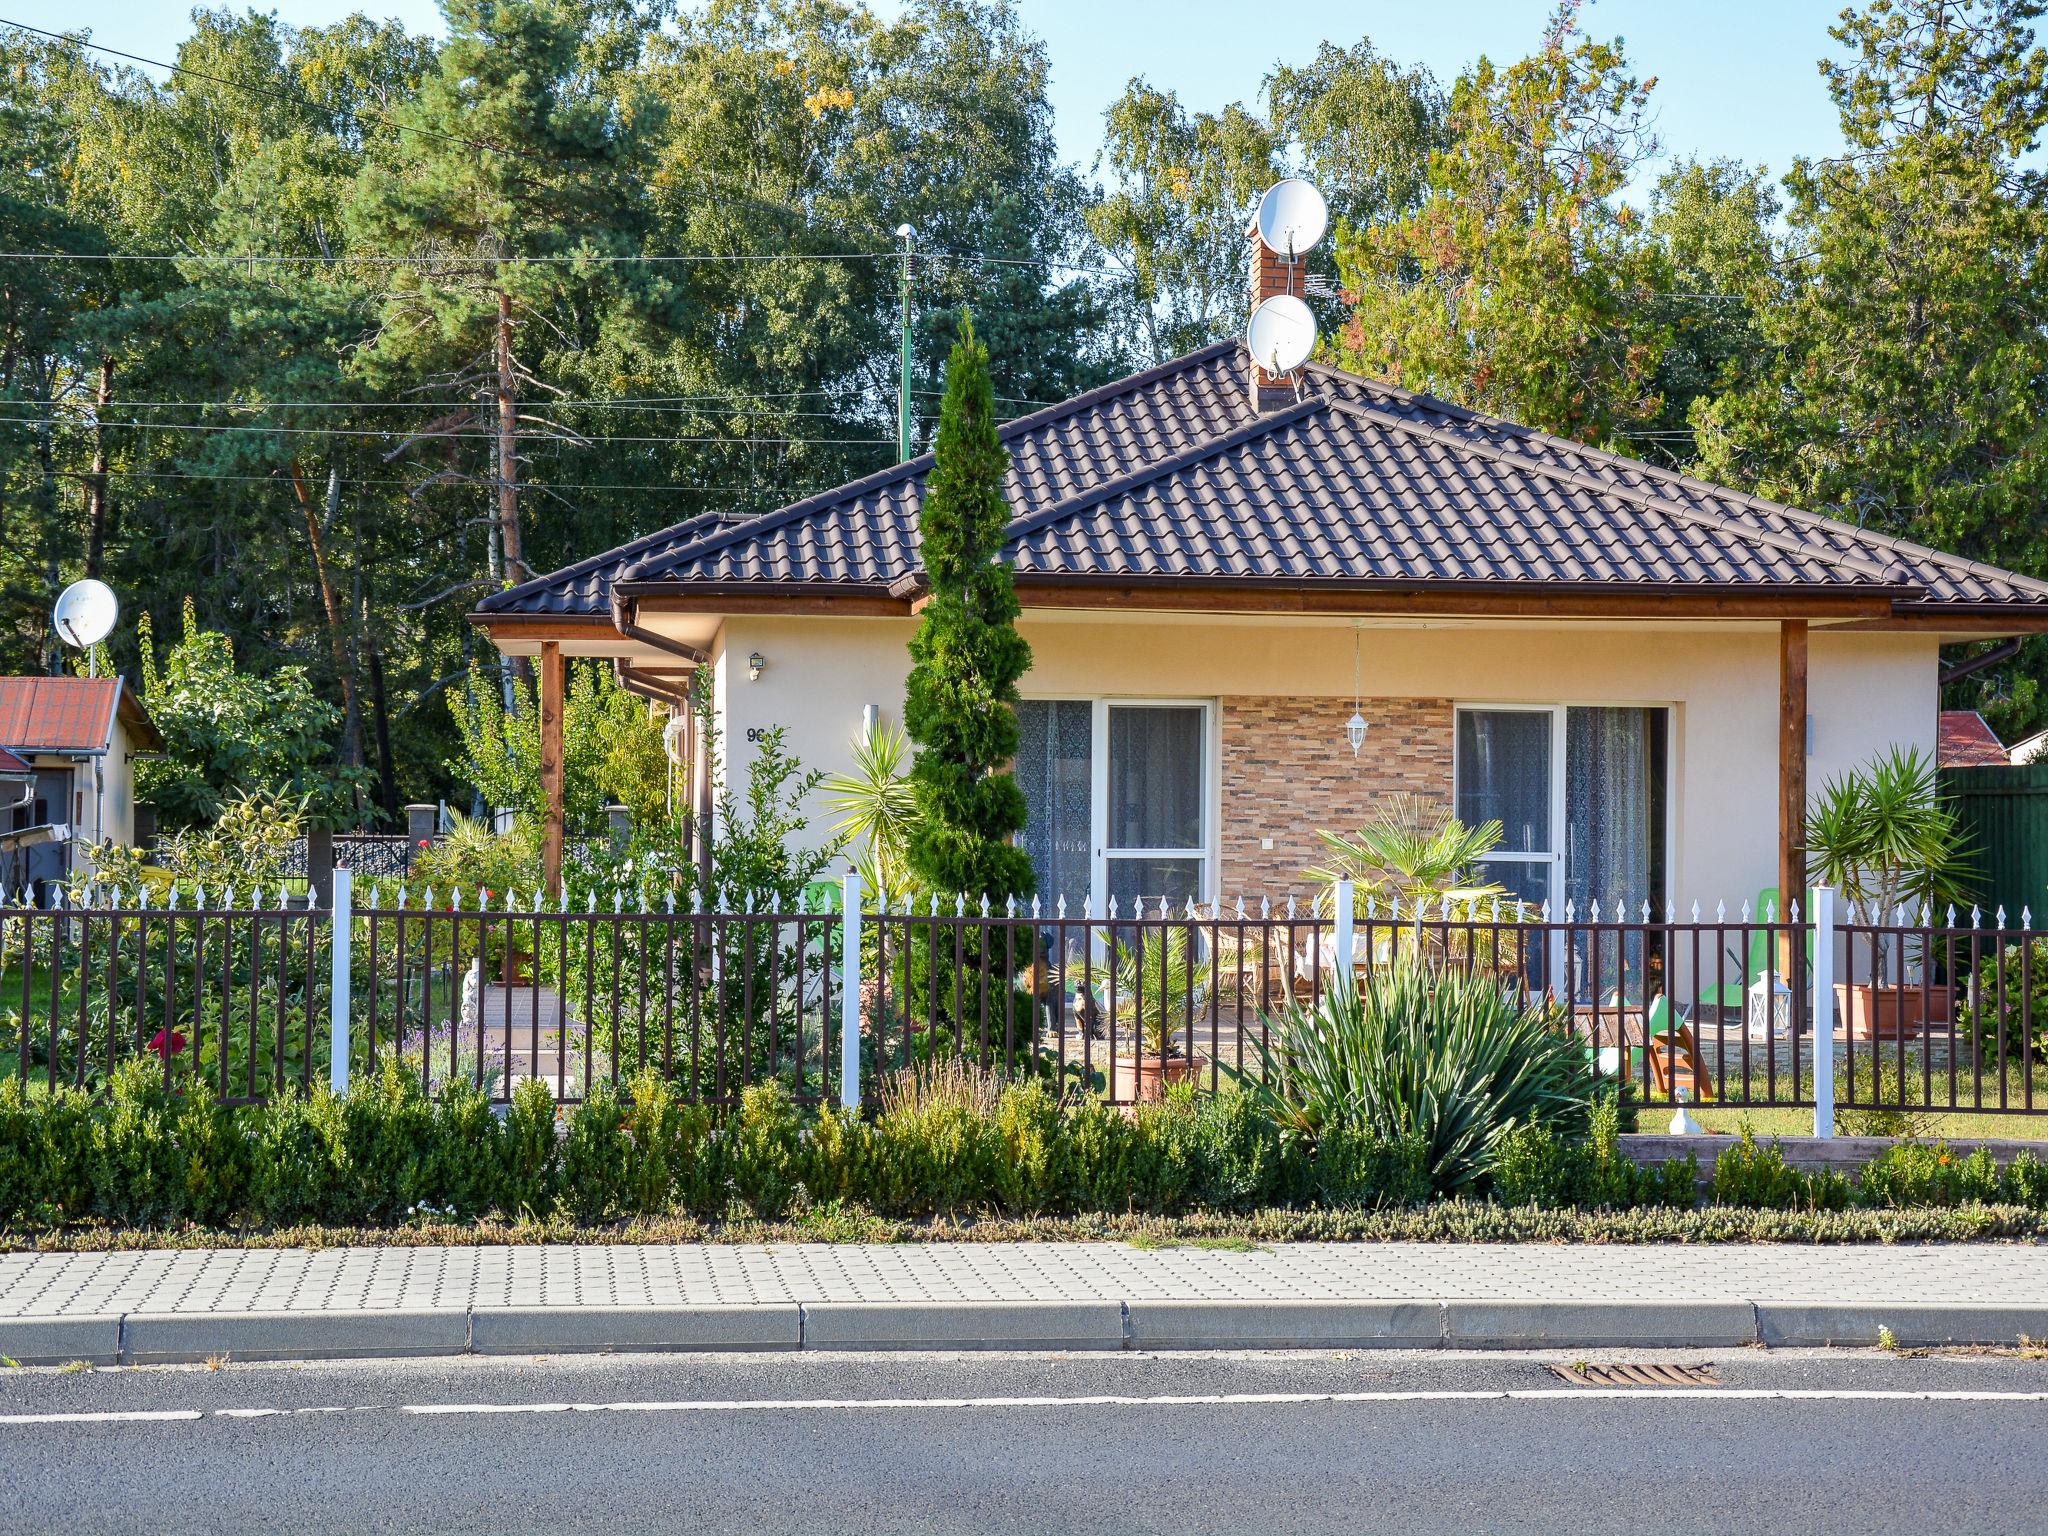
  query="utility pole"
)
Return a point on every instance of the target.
[{"x": 903, "y": 233}]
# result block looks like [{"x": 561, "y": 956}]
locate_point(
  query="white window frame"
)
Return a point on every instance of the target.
[
  {"x": 1559, "y": 832},
  {"x": 1098, "y": 791}
]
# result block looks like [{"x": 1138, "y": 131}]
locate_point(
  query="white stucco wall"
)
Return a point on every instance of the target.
[{"x": 1866, "y": 691}]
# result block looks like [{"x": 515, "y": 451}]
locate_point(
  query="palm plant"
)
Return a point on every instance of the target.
[
  {"x": 1444, "y": 1056},
  {"x": 877, "y": 807},
  {"x": 1413, "y": 850},
  {"x": 1156, "y": 981}
]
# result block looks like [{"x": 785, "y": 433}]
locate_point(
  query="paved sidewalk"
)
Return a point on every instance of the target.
[{"x": 300, "y": 1303}]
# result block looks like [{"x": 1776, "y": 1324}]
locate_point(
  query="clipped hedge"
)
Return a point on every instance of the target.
[{"x": 946, "y": 1144}]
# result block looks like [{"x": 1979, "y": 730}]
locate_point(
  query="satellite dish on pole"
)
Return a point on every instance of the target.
[
  {"x": 1292, "y": 217},
  {"x": 1281, "y": 335},
  {"x": 85, "y": 613}
]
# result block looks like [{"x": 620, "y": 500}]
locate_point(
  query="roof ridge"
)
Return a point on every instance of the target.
[
  {"x": 778, "y": 517},
  {"x": 1208, "y": 447},
  {"x": 1599, "y": 487},
  {"x": 1850, "y": 531}
]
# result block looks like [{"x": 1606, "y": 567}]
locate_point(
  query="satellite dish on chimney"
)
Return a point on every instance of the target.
[
  {"x": 85, "y": 613},
  {"x": 1281, "y": 335},
  {"x": 1292, "y": 217}
]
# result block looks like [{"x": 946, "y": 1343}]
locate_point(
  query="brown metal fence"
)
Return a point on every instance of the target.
[{"x": 1714, "y": 1011}]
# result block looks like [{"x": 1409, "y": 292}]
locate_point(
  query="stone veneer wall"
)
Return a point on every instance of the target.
[{"x": 1288, "y": 770}]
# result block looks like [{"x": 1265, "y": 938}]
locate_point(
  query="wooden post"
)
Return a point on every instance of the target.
[
  {"x": 551, "y": 763},
  {"x": 1791, "y": 783}
]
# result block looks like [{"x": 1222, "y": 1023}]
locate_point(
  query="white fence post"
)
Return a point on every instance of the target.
[
  {"x": 1823, "y": 969},
  {"x": 1346, "y": 913},
  {"x": 338, "y": 983},
  {"x": 849, "y": 995}
]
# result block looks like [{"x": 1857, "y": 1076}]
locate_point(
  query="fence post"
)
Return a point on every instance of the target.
[
  {"x": 849, "y": 993},
  {"x": 1346, "y": 913},
  {"x": 1823, "y": 969},
  {"x": 339, "y": 917}
]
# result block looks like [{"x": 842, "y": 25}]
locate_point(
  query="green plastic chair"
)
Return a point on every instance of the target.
[{"x": 1756, "y": 958}]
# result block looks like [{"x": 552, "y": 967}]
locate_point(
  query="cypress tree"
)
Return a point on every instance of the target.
[{"x": 967, "y": 656}]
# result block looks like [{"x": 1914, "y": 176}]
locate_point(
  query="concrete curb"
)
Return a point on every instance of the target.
[
  {"x": 963, "y": 1325},
  {"x": 161, "y": 1338},
  {"x": 682, "y": 1330},
  {"x": 60, "y": 1340},
  {"x": 1286, "y": 1324},
  {"x": 1912, "y": 1323},
  {"x": 144, "y": 1338},
  {"x": 1620, "y": 1323}
]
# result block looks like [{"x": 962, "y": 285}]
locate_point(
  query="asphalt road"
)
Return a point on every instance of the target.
[{"x": 817, "y": 1444}]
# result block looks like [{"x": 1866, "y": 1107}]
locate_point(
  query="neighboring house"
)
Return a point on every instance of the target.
[
  {"x": 1965, "y": 739},
  {"x": 1635, "y": 672},
  {"x": 77, "y": 738},
  {"x": 2029, "y": 749}
]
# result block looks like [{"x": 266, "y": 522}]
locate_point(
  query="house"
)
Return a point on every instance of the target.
[
  {"x": 1964, "y": 739},
  {"x": 76, "y": 740},
  {"x": 1637, "y": 673}
]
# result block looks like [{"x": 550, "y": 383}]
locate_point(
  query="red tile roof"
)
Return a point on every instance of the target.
[
  {"x": 1965, "y": 741},
  {"x": 11, "y": 765},
  {"x": 69, "y": 714}
]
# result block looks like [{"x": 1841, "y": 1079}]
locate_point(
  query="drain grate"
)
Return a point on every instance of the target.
[{"x": 1637, "y": 1375}]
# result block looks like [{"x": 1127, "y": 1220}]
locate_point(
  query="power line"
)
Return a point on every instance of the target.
[
  {"x": 387, "y": 434},
  {"x": 552, "y": 485},
  {"x": 229, "y": 258},
  {"x": 656, "y": 405}
]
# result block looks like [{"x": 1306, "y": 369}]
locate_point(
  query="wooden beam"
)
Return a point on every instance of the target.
[
  {"x": 554, "y": 626},
  {"x": 854, "y": 605},
  {"x": 551, "y": 764},
  {"x": 1791, "y": 783}
]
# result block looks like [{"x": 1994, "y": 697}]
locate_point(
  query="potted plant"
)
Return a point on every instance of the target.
[
  {"x": 1884, "y": 836},
  {"x": 1157, "y": 990}
]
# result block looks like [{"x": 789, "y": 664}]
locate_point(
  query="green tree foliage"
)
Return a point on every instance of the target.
[
  {"x": 229, "y": 732},
  {"x": 1519, "y": 285},
  {"x": 291, "y": 437},
  {"x": 1900, "y": 381},
  {"x": 611, "y": 748},
  {"x": 967, "y": 656}
]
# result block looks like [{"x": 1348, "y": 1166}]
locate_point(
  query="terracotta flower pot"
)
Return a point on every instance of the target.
[
  {"x": 1886, "y": 1013},
  {"x": 1152, "y": 1081}
]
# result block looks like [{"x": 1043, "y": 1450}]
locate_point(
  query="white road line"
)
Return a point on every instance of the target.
[{"x": 1193, "y": 1400}]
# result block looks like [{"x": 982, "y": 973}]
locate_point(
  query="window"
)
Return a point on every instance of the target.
[{"x": 1120, "y": 800}]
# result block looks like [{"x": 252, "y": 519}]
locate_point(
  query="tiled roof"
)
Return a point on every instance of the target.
[
  {"x": 1172, "y": 474},
  {"x": 12, "y": 766},
  {"x": 57, "y": 714},
  {"x": 1964, "y": 740}
]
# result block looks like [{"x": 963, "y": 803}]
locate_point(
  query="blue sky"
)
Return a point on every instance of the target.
[{"x": 1735, "y": 77}]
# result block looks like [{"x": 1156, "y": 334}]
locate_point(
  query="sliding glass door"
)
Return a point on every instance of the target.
[
  {"x": 1118, "y": 795},
  {"x": 1580, "y": 793}
]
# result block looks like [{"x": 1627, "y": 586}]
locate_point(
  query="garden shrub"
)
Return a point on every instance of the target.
[
  {"x": 669, "y": 1162},
  {"x": 137, "y": 1166},
  {"x": 843, "y": 1160},
  {"x": 218, "y": 1155},
  {"x": 1242, "y": 1164},
  {"x": 45, "y": 1153},
  {"x": 764, "y": 1150},
  {"x": 1165, "y": 1153},
  {"x": 594, "y": 1157},
  {"x": 1922, "y": 1173},
  {"x": 1355, "y": 1165},
  {"x": 532, "y": 1151},
  {"x": 2026, "y": 1182},
  {"x": 295, "y": 1157},
  {"x": 1536, "y": 1166},
  {"x": 464, "y": 1174},
  {"x": 1034, "y": 1163},
  {"x": 386, "y": 1147},
  {"x": 2017, "y": 973},
  {"x": 940, "y": 1145},
  {"x": 1101, "y": 1144},
  {"x": 1758, "y": 1177}
]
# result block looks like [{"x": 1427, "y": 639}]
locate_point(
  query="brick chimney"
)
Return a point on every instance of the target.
[{"x": 1271, "y": 274}]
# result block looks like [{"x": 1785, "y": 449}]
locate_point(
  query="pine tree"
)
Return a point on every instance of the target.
[{"x": 967, "y": 655}]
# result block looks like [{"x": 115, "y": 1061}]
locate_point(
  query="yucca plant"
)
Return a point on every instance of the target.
[{"x": 1446, "y": 1055}]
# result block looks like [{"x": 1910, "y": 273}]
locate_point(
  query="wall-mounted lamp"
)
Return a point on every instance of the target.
[{"x": 755, "y": 662}]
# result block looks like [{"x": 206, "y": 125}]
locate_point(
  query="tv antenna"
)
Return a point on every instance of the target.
[
  {"x": 84, "y": 616},
  {"x": 1292, "y": 217}
]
